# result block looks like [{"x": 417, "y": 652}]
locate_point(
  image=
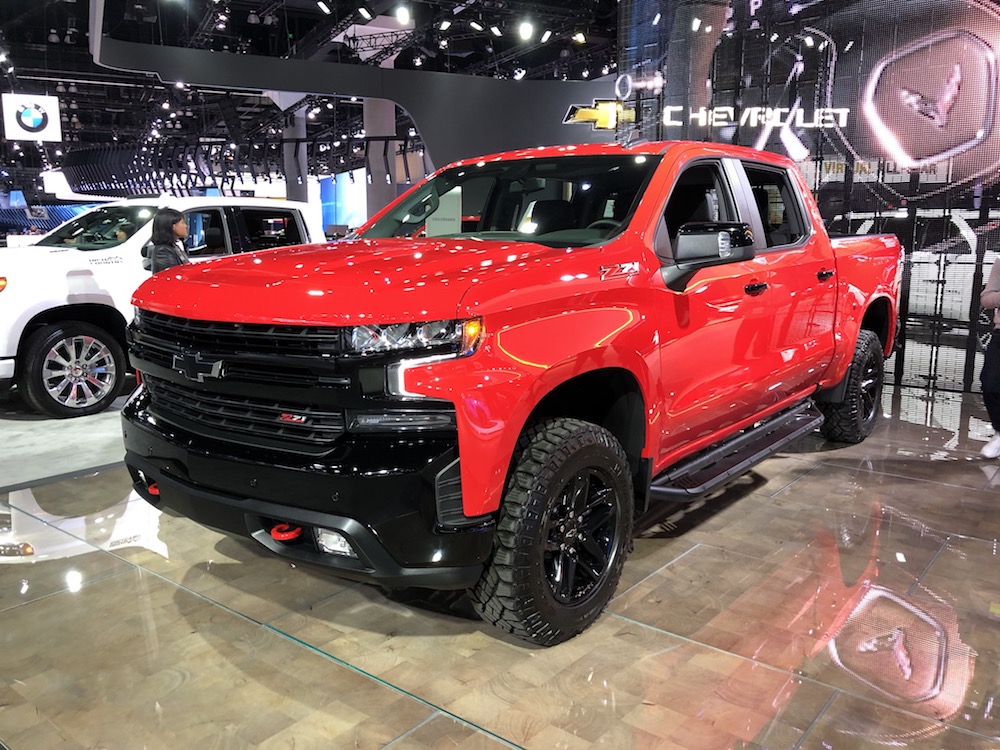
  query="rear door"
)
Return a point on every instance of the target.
[{"x": 801, "y": 292}]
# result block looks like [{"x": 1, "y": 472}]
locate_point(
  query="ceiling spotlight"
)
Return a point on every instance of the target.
[
  {"x": 270, "y": 20},
  {"x": 546, "y": 36},
  {"x": 579, "y": 37},
  {"x": 443, "y": 44},
  {"x": 476, "y": 25},
  {"x": 519, "y": 73},
  {"x": 445, "y": 25},
  {"x": 60, "y": 88},
  {"x": 165, "y": 105},
  {"x": 365, "y": 13},
  {"x": 525, "y": 30},
  {"x": 54, "y": 37},
  {"x": 252, "y": 18},
  {"x": 323, "y": 7},
  {"x": 403, "y": 15},
  {"x": 495, "y": 30}
]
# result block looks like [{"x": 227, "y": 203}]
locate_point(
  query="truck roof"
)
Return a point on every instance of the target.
[{"x": 639, "y": 147}]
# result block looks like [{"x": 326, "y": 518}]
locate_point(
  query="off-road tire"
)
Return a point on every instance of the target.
[
  {"x": 564, "y": 531},
  {"x": 71, "y": 370},
  {"x": 853, "y": 419}
]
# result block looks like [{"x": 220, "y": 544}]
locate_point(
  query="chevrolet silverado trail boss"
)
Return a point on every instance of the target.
[
  {"x": 65, "y": 301},
  {"x": 485, "y": 384}
]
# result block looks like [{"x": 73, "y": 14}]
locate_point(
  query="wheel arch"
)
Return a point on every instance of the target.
[
  {"x": 105, "y": 317},
  {"x": 611, "y": 398},
  {"x": 877, "y": 319}
]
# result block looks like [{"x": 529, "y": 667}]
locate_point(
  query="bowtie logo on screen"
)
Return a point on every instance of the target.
[{"x": 32, "y": 118}]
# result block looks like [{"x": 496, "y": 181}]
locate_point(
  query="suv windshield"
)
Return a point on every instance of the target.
[
  {"x": 100, "y": 228},
  {"x": 558, "y": 201}
]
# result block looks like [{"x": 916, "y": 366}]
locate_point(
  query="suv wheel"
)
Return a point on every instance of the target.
[
  {"x": 564, "y": 531},
  {"x": 72, "y": 369}
]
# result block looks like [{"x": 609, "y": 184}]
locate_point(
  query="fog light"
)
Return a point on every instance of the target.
[{"x": 334, "y": 543}]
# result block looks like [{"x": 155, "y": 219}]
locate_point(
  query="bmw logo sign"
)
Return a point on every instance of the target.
[{"x": 32, "y": 118}]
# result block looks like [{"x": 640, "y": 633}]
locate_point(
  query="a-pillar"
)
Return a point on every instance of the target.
[{"x": 380, "y": 121}]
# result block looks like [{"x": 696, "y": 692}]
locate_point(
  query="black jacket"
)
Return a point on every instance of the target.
[{"x": 161, "y": 257}]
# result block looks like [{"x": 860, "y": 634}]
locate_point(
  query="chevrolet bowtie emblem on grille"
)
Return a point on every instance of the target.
[{"x": 193, "y": 367}]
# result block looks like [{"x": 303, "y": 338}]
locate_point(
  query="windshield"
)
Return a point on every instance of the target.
[
  {"x": 563, "y": 201},
  {"x": 100, "y": 228}
]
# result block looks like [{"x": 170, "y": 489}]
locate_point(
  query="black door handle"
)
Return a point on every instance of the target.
[
  {"x": 824, "y": 274},
  {"x": 754, "y": 289}
]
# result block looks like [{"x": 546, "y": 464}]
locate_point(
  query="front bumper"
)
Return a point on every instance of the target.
[{"x": 382, "y": 494}]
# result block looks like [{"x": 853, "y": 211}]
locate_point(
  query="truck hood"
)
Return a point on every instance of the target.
[{"x": 339, "y": 283}]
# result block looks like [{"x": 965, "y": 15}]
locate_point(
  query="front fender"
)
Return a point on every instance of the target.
[{"x": 496, "y": 390}]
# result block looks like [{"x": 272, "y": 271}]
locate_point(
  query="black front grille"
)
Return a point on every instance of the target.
[
  {"x": 248, "y": 421},
  {"x": 241, "y": 338}
]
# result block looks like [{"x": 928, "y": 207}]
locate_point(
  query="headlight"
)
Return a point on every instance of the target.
[
  {"x": 3, "y": 283},
  {"x": 462, "y": 335}
]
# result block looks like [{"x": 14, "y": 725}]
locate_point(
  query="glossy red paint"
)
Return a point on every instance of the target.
[{"x": 707, "y": 360}]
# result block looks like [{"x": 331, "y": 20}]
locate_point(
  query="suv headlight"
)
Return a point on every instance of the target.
[{"x": 462, "y": 335}]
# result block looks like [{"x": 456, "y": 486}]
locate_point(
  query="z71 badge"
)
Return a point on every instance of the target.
[{"x": 619, "y": 270}]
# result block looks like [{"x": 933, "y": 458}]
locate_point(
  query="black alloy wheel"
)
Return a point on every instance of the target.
[{"x": 564, "y": 531}]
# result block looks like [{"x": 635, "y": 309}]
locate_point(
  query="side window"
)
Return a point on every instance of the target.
[
  {"x": 775, "y": 200},
  {"x": 701, "y": 194},
  {"x": 207, "y": 234},
  {"x": 264, "y": 228}
]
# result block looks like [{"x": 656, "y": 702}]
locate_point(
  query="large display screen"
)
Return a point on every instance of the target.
[{"x": 889, "y": 108}]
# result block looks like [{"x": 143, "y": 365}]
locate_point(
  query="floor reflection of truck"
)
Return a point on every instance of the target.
[{"x": 843, "y": 611}]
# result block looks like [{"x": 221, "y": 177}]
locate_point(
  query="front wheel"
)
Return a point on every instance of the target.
[
  {"x": 72, "y": 369},
  {"x": 853, "y": 419},
  {"x": 564, "y": 531}
]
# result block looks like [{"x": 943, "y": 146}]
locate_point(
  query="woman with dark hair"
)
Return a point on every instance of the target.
[{"x": 169, "y": 231}]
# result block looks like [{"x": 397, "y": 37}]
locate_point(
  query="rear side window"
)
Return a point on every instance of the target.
[
  {"x": 775, "y": 201},
  {"x": 207, "y": 233},
  {"x": 262, "y": 228}
]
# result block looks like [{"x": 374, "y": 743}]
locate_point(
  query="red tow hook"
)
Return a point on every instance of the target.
[
  {"x": 152, "y": 489},
  {"x": 284, "y": 532}
]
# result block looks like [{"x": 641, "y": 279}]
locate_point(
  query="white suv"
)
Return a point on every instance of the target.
[{"x": 66, "y": 300}]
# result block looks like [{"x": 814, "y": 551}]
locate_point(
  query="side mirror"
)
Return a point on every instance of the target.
[{"x": 704, "y": 244}]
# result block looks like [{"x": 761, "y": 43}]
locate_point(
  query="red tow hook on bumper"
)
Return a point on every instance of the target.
[
  {"x": 284, "y": 532},
  {"x": 152, "y": 489}
]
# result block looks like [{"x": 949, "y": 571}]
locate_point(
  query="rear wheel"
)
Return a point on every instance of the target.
[
  {"x": 564, "y": 532},
  {"x": 72, "y": 369},
  {"x": 853, "y": 419}
]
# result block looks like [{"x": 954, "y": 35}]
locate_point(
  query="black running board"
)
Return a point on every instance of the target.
[{"x": 707, "y": 471}]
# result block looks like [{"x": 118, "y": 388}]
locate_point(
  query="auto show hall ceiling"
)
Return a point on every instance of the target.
[{"x": 44, "y": 49}]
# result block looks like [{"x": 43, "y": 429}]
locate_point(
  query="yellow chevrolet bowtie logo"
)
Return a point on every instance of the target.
[{"x": 604, "y": 114}]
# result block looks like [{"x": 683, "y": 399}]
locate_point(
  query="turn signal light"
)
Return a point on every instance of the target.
[
  {"x": 3, "y": 283},
  {"x": 472, "y": 331}
]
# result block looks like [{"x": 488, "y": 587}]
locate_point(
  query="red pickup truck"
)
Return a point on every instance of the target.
[{"x": 484, "y": 385}]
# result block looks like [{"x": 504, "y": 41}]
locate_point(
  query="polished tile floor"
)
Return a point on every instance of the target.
[{"x": 835, "y": 597}]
